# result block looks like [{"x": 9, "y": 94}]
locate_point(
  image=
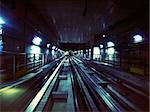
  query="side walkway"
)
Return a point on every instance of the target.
[
  {"x": 42, "y": 70},
  {"x": 138, "y": 80}
]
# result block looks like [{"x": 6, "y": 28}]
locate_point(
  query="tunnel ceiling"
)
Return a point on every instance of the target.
[{"x": 78, "y": 20}]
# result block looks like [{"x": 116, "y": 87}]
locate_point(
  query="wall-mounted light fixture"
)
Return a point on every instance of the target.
[
  {"x": 1, "y": 34},
  {"x": 110, "y": 44},
  {"x": 53, "y": 47},
  {"x": 137, "y": 38},
  {"x": 37, "y": 40},
  {"x": 101, "y": 46},
  {"x": 48, "y": 45},
  {"x": 1, "y": 25},
  {"x": 2, "y": 21}
]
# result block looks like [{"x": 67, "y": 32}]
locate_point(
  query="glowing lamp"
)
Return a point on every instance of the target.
[
  {"x": 2, "y": 21},
  {"x": 53, "y": 47},
  {"x": 137, "y": 38},
  {"x": 37, "y": 40},
  {"x": 111, "y": 51},
  {"x": 48, "y": 45},
  {"x": 110, "y": 44},
  {"x": 104, "y": 35},
  {"x": 1, "y": 31},
  {"x": 101, "y": 46}
]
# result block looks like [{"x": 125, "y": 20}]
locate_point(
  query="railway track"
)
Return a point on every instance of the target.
[
  {"x": 75, "y": 87},
  {"x": 63, "y": 91},
  {"x": 15, "y": 96},
  {"x": 129, "y": 96}
]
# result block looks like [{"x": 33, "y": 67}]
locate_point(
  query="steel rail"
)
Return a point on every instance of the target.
[
  {"x": 37, "y": 99},
  {"x": 89, "y": 101},
  {"x": 124, "y": 83},
  {"x": 127, "y": 101},
  {"x": 109, "y": 101}
]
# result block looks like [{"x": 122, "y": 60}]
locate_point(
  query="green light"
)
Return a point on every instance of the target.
[
  {"x": 11, "y": 92},
  {"x": 11, "y": 95}
]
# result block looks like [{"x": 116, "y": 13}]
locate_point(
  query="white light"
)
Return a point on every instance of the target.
[
  {"x": 53, "y": 52},
  {"x": 104, "y": 35},
  {"x": 96, "y": 52},
  {"x": 67, "y": 53},
  {"x": 137, "y": 38},
  {"x": 101, "y": 46},
  {"x": 111, "y": 51},
  {"x": 53, "y": 47},
  {"x": 81, "y": 52},
  {"x": 37, "y": 40},
  {"x": 2, "y": 21},
  {"x": 110, "y": 44},
  {"x": 47, "y": 51},
  {"x": 35, "y": 49},
  {"x": 1, "y": 31},
  {"x": 48, "y": 45}
]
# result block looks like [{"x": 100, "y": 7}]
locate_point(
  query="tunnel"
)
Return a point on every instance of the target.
[{"x": 74, "y": 55}]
